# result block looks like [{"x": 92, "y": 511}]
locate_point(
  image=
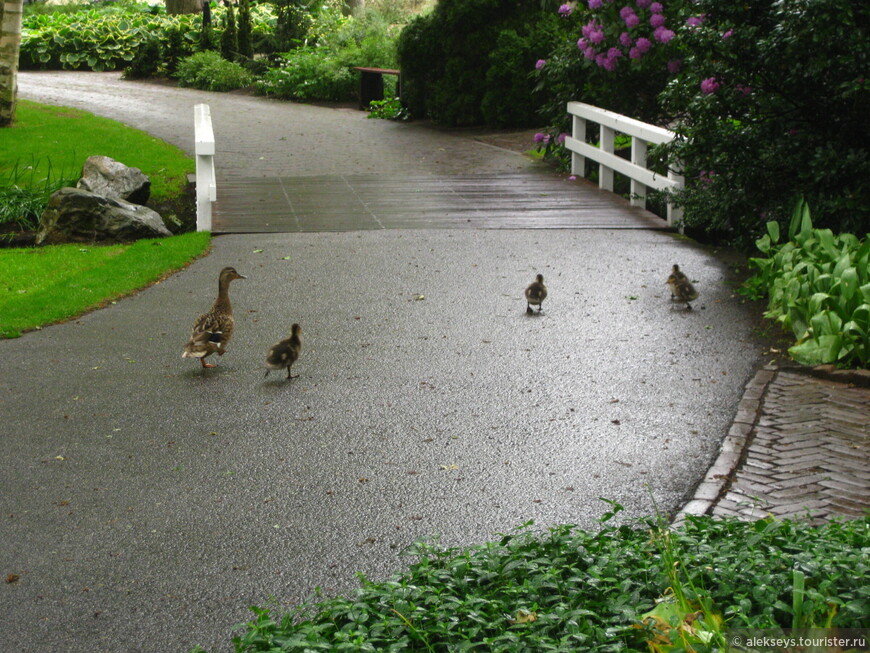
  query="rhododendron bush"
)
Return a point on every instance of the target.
[{"x": 769, "y": 98}]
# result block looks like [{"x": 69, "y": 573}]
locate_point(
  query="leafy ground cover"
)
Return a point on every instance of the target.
[
  {"x": 621, "y": 588},
  {"x": 50, "y": 284},
  {"x": 818, "y": 288}
]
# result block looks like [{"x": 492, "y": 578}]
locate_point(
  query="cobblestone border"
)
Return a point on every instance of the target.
[{"x": 718, "y": 477}]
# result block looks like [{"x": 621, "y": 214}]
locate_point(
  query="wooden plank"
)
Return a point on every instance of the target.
[{"x": 362, "y": 202}]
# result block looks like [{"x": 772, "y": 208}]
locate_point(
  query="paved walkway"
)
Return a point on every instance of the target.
[
  {"x": 146, "y": 503},
  {"x": 799, "y": 448}
]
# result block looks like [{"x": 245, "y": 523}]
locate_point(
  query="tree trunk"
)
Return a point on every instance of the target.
[
  {"x": 10, "y": 43},
  {"x": 183, "y": 6}
]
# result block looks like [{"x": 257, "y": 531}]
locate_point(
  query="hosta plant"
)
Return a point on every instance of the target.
[{"x": 819, "y": 288}]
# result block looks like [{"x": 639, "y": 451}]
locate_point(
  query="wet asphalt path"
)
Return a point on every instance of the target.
[{"x": 146, "y": 503}]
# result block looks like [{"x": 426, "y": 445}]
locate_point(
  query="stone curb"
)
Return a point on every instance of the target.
[{"x": 718, "y": 477}]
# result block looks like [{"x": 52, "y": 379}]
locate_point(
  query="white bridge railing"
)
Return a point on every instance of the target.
[
  {"x": 206, "y": 185},
  {"x": 635, "y": 169}
]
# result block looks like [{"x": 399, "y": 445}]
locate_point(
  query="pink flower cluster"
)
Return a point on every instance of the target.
[
  {"x": 565, "y": 10},
  {"x": 709, "y": 85},
  {"x": 593, "y": 46}
]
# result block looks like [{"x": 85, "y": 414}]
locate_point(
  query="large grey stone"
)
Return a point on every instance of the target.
[
  {"x": 105, "y": 176},
  {"x": 75, "y": 215}
]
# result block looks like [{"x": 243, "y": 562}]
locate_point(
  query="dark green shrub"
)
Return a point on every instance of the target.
[
  {"x": 421, "y": 59},
  {"x": 246, "y": 45},
  {"x": 449, "y": 67},
  {"x": 509, "y": 99},
  {"x": 230, "y": 35},
  {"x": 325, "y": 71},
  {"x": 209, "y": 71},
  {"x": 309, "y": 73},
  {"x": 146, "y": 62},
  {"x": 773, "y": 104}
]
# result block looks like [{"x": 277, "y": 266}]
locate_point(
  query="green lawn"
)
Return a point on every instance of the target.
[
  {"x": 46, "y": 148},
  {"x": 49, "y": 284},
  {"x": 56, "y": 141}
]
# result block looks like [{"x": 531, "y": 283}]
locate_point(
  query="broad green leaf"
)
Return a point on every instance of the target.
[
  {"x": 817, "y": 351},
  {"x": 817, "y": 302},
  {"x": 844, "y": 262},
  {"x": 826, "y": 323},
  {"x": 849, "y": 283}
]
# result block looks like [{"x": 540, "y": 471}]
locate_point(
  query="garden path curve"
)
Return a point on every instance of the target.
[{"x": 146, "y": 504}]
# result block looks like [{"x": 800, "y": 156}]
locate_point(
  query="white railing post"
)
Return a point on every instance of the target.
[
  {"x": 206, "y": 184},
  {"x": 642, "y": 178},
  {"x": 578, "y": 161},
  {"x": 605, "y": 174},
  {"x": 638, "y": 158}
]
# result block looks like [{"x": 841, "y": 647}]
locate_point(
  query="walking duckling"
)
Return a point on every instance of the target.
[
  {"x": 682, "y": 289},
  {"x": 285, "y": 353},
  {"x": 536, "y": 293},
  {"x": 213, "y": 330}
]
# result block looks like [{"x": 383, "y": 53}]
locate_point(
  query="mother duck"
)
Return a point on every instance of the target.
[{"x": 213, "y": 330}]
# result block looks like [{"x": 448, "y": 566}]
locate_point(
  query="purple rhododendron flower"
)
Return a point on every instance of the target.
[
  {"x": 674, "y": 66},
  {"x": 625, "y": 39},
  {"x": 635, "y": 53},
  {"x": 542, "y": 138},
  {"x": 595, "y": 4},
  {"x": 657, "y": 20},
  {"x": 706, "y": 176},
  {"x": 560, "y": 139},
  {"x": 589, "y": 52},
  {"x": 643, "y": 44},
  {"x": 540, "y": 63},
  {"x": 631, "y": 20},
  {"x": 656, "y": 7},
  {"x": 565, "y": 10},
  {"x": 625, "y": 11},
  {"x": 582, "y": 43},
  {"x": 744, "y": 90},
  {"x": 709, "y": 85},
  {"x": 614, "y": 53},
  {"x": 694, "y": 21},
  {"x": 643, "y": 4},
  {"x": 663, "y": 35},
  {"x": 728, "y": 34},
  {"x": 596, "y": 37}
]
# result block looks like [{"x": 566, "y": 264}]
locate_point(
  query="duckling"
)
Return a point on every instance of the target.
[
  {"x": 213, "y": 330},
  {"x": 536, "y": 293},
  {"x": 285, "y": 353},
  {"x": 682, "y": 289}
]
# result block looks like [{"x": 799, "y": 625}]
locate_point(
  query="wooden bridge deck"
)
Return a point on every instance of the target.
[{"x": 361, "y": 202}]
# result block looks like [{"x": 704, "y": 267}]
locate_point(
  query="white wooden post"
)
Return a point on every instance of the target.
[
  {"x": 578, "y": 161},
  {"x": 605, "y": 173},
  {"x": 638, "y": 158},
  {"x": 206, "y": 185}
]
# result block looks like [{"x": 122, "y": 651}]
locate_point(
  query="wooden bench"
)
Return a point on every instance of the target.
[{"x": 371, "y": 84}]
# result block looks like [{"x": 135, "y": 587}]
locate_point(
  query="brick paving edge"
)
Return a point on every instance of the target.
[
  {"x": 731, "y": 453},
  {"x": 859, "y": 378}
]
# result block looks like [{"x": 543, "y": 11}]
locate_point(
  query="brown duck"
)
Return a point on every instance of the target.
[
  {"x": 213, "y": 330},
  {"x": 536, "y": 293},
  {"x": 682, "y": 289},
  {"x": 285, "y": 353}
]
